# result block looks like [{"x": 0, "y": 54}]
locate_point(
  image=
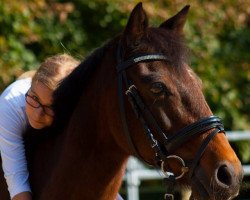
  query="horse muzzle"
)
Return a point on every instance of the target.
[{"x": 224, "y": 184}]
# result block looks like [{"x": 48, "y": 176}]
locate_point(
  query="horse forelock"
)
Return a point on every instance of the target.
[{"x": 171, "y": 45}]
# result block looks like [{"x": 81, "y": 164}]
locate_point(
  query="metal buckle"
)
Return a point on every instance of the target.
[
  {"x": 184, "y": 169},
  {"x": 169, "y": 197}
]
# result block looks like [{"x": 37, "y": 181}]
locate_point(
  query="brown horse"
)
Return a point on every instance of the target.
[{"x": 169, "y": 124}]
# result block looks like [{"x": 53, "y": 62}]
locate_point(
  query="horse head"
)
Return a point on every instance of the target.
[{"x": 172, "y": 125}]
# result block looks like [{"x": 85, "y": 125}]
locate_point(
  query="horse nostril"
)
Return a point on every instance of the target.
[{"x": 224, "y": 175}]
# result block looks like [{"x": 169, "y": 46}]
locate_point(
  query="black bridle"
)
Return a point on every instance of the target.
[{"x": 162, "y": 151}]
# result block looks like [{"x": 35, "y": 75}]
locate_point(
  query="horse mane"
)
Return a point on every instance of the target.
[{"x": 70, "y": 89}]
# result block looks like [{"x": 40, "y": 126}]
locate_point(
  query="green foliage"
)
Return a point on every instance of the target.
[
  {"x": 14, "y": 55},
  {"x": 218, "y": 33}
]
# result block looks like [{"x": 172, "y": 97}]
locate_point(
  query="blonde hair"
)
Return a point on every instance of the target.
[
  {"x": 28, "y": 74},
  {"x": 54, "y": 69}
]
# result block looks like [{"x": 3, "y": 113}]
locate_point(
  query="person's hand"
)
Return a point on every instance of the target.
[{"x": 23, "y": 196}]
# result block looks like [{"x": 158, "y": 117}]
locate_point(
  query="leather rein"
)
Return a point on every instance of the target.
[{"x": 169, "y": 144}]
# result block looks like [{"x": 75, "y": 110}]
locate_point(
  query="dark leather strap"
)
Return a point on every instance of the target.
[
  {"x": 139, "y": 58},
  {"x": 123, "y": 116},
  {"x": 121, "y": 66},
  {"x": 201, "y": 126},
  {"x": 145, "y": 116},
  {"x": 144, "y": 112},
  {"x": 201, "y": 150}
]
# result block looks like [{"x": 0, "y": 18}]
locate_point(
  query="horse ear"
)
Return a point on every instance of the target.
[
  {"x": 136, "y": 26},
  {"x": 177, "y": 22}
]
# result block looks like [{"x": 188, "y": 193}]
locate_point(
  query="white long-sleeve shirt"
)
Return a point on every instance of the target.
[{"x": 13, "y": 123}]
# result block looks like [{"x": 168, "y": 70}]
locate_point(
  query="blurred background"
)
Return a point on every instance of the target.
[{"x": 217, "y": 32}]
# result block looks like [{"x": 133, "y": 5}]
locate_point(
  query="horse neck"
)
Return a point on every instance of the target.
[{"x": 91, "y": 159}]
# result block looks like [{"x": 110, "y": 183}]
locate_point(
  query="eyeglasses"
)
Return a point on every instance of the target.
[{"x": 33, "y": 102}]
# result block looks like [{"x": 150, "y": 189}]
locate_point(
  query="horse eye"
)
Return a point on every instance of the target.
[{"x": 157, "y": 88}]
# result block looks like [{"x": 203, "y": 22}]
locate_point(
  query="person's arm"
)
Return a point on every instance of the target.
[
  {"x": 23, "y": 196},
  {"x": 13, "y": 159},
  {"x": 12, "y": 125}
]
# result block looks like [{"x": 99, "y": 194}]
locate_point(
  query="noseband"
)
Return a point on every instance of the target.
[{"x": 171, "y": 143}]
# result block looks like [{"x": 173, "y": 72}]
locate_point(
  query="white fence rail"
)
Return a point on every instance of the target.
[{"x": 136, "y": 172}]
